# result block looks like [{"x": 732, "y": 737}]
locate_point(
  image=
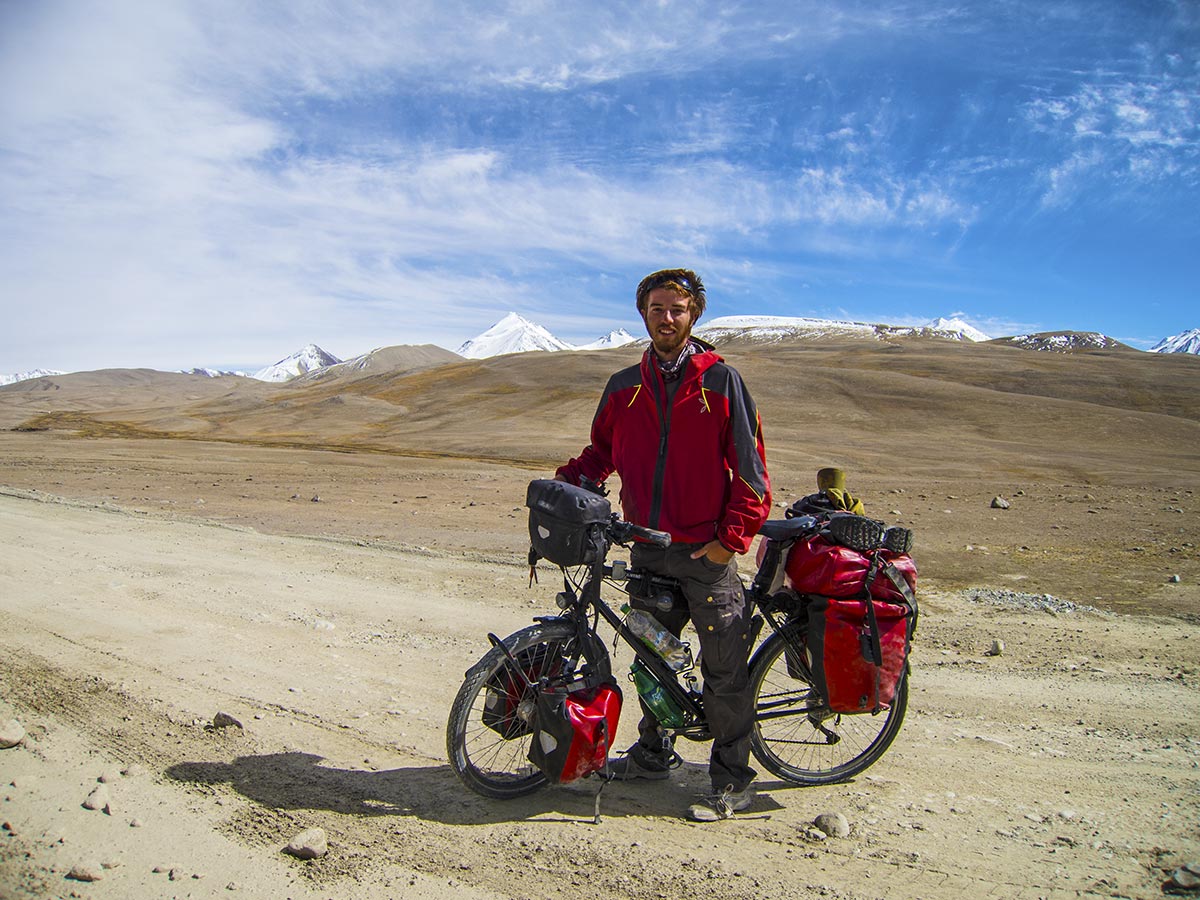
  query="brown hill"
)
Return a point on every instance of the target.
[
  {"x": 383, "y": 360},
  {"x": 1064, "y": 342},
  {"x": 914, "y": 406},
  {"x": 1097, "y": 451}
]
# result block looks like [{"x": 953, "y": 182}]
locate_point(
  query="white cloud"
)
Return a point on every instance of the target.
[{"x": 319, "y": 171}]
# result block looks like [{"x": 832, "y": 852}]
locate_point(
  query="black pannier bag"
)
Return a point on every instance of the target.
[
  {"x": 566, "y": 523},
  {"x": 506, "y": 690}
]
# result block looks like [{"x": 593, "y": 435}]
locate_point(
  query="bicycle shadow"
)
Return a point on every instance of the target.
[{"x": 299, "y": 781}]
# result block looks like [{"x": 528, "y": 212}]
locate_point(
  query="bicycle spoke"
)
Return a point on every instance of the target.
[
  {"x": 800, "y": 739},
  {"x": 487, "y": 737}
]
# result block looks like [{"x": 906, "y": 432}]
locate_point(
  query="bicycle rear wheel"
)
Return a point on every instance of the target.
[
  {"x": 797, "y": 737},
  {"x": 488, "y": 731}
]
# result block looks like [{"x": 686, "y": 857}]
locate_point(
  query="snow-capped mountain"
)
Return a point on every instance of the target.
[
  {"x": 778, "y": 328},
  {"x": 618, "y": 338},
  {"x": 25, "y": 376},
  {"x": 512, "y": 334},
  {"x": 209, "y": 373},
  {"x": 402, "y": 358},
  {"x": 1064, "y": 341},
  {"x": 1184, "y": 342},
  {"x": 956, "y": 328},
  {"x": 303, "y": 360},
  {"x": 781, "y": 328}
]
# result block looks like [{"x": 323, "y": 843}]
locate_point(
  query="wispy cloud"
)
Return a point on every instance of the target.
[
  {"x": 1125, "y": 132},
  {"x": 365, "y": 172}
]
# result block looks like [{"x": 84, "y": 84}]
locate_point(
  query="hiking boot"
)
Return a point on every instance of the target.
[
  {"x": 721, "y": 805},
  {"x": 638, "y": 762}
]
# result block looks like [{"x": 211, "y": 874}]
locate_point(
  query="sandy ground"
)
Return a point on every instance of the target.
[{"x": 183, "y": 584}]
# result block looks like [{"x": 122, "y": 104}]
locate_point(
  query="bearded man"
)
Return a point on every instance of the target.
[{"x": 683, "y": 434}]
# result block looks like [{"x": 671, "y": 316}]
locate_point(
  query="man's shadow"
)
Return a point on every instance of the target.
[{"x": 298, "y": 780}]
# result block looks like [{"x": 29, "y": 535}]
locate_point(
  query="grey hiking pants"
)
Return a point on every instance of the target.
[{"x": 715, "y": 601}]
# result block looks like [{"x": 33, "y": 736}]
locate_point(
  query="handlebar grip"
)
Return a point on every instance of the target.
[{"x": 657, "y": 538}]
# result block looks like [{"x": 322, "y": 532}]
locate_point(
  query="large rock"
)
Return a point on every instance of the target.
[
  {"x": 833, "y": 824},
  {"x": 11, "y": 734},
  {"x": 309, "y": 844},
  {"x": 97, "y": 799},
  {"x": 224, "y": 720},
  {"x": 86, "y": 871}
]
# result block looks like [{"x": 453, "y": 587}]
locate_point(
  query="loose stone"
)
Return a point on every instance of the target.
[
  {"x": 11, "y": 734},
  {"x": 88, "y": 871},
  {"x": 309, "y": 844},
  {"x": 833, "y": 824},
  {"x": 97, "y": 799}
]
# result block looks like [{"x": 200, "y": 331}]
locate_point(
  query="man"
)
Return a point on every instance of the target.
[{"x": 684, "y": 435}]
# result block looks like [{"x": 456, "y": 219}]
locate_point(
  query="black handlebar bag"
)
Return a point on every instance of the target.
[{"x": 566, "y": 523}]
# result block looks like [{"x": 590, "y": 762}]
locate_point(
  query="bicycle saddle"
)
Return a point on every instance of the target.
[{"x": 786, "y": 529}]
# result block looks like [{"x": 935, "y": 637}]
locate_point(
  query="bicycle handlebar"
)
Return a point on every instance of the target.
[{"x": 622, "y": 531}]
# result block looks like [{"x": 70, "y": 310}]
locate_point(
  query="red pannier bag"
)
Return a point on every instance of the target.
[
  {"x": 573, "y": 731},
  {"x": 858, "y": 650},
  {"x": 815, "y": 565}
]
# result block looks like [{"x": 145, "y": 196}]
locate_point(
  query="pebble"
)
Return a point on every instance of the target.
[
  {"x": 833, "y": 824},
  {"x": 97, "y": 799},
  {"x": 997, "y": 648},
  {"x": 308, "y": 844},
  {"x": 1000, "y": 503},
  {"x": 11, "y": 734},
  {"x": 1018, "y": 600},
  {"x": 133, "y": 770},
  {"x": 108, "y": 776},
  {"x": 1174, "y": 579}
]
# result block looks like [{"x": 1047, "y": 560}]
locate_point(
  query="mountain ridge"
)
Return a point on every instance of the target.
[{"x": 515, "y": 334}]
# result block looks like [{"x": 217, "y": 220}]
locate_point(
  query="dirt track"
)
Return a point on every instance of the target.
[{"x": 1069, "y": 766}]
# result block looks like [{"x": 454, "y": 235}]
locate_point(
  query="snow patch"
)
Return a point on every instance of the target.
[
  {"x": 304, "y": 360},
  {"x": 26, "y": 376}
]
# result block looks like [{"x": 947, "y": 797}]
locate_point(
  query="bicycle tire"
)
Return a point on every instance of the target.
[
  {"x": 481, "y": 756},
  {"x": 794, "y": 747}
]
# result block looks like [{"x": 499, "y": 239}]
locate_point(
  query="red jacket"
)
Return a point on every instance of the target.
[{"x": 698, "y": 469}]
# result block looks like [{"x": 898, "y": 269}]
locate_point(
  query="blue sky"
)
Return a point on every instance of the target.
[{"x": 214, "y": 183}]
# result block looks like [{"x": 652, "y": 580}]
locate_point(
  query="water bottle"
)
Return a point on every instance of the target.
[
  {"x": 657, "y": 700},
  {"x": 675, "y": 653}
]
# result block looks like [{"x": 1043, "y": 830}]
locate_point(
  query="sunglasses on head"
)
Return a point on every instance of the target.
[{"x": 658, "y": 281}]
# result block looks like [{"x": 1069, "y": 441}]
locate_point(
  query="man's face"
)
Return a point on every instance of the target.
[{"x": 668, "y": 318}]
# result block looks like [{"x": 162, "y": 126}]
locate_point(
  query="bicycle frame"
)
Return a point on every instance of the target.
[
  {"x": 796, "y": 735},
  {"x": 767, "y": 580}
]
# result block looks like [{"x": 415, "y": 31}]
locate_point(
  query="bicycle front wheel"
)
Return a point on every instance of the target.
[
  {"x": 489, "y": 729},
  {"x": 797, "y": 737}
]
